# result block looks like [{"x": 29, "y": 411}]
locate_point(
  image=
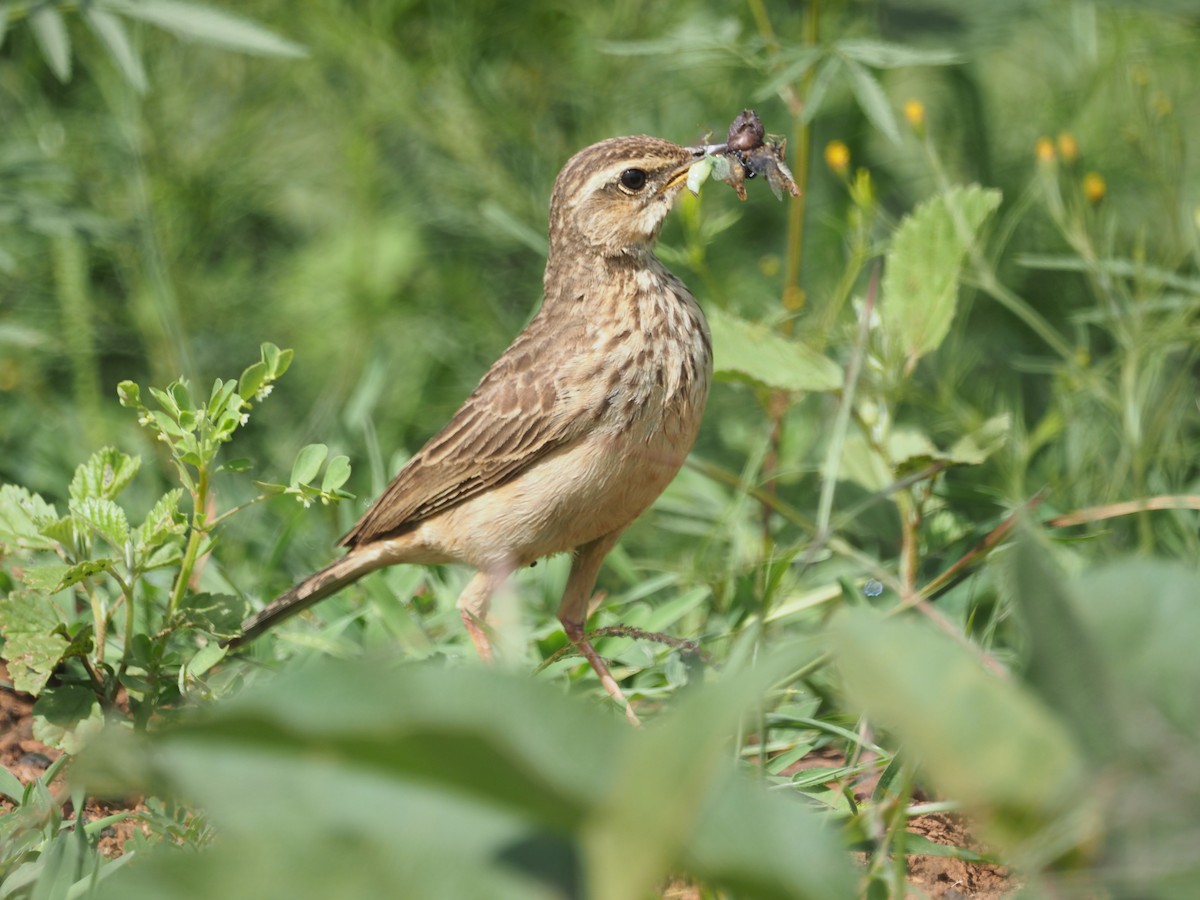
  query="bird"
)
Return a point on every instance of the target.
[{"x": 578, "y": 426}]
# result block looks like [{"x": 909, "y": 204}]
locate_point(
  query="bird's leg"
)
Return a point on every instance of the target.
[
  {"x": 573, "y": 610},
  {"x": 473, "y": 605}
]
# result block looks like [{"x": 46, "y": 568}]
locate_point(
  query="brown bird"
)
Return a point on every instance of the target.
[{"x": 577, "y": 427}]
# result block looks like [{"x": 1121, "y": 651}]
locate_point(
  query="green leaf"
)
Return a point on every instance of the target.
[
  {"x": 884, "y": 55},
  {"x": 1148, "y": 646},
  {"x": 55, "y": 576},
  {"x": 67, "y": 717},
  {"x": 277, "y": 361},
  {"x": 28, "y": 621},
  {"x": 105, "y": 518},
  {"x": 3, "y": 23},
  {"x": 308, "y": 464},
  {"x": 66, "y": 531},
  {"x": 461, "y": 782},
  {"x": 1065, "y": 667},
  {"x": 283, "y": 362},
  {"x": 751, "y": 352},
  {"x": 167, "y": 402},
  {"x": 973, "y": 449},
  {"x": 220, "y": 401},
  {"x": 337, "y": 473},
  {"x": 111, "y": 33},
  {"x": 50, "y": 32},
  {"x": 180, "y": 393},
  {"x": 23, "y": 515},
  {"x": 799, "y": 63},
  {"x": 664, "y": 785},
  {"x": 824, "y": 78},
  {"x": 980, "y": 739},
  {"x": 873, "y": 100},
  {"x": 218, "y": 614},
  {"x": 920, "y": 282},
  {"x": 164, "y": 520},
  {"x": 207, "y": 25},
  {"x": 105, "y": 474},
  {"x": 252, "y": 379},
  {"x": 129, "y": 394}
]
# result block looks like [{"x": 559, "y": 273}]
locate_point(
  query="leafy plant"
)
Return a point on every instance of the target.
[
  {"x": 190, "y": 21},
  {"x": 113, "y": 612}
]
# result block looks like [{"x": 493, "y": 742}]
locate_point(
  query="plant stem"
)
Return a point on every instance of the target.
[{"x": 200, "y": 528}]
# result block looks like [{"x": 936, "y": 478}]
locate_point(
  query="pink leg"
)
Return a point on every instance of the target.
[
  {"x": 473, "y": 605},
  {"x": 573, "y": 610}
]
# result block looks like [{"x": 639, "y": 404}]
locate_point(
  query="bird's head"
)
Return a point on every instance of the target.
[{"x": 611, "y": 198}]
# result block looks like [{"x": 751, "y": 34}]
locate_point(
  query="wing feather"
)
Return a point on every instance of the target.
[{"x": 519, "y": 413}]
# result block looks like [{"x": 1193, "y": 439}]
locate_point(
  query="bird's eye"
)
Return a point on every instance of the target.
[{"x": 633, "y": 179}]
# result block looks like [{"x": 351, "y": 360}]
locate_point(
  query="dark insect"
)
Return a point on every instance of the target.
[{"x": 748, "y": 154}]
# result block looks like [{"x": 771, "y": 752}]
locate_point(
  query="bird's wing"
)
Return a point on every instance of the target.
[{"x": 522, "y": 410}]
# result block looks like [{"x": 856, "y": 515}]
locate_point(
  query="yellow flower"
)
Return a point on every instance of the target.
[
  {"x": 837, "y": 157},
  {"x": 1094, "y": 187},
  {"x": 1068, "y": 147},
  {"x": 1044, "y": 150},
  {"x": 914, "y": 111}
]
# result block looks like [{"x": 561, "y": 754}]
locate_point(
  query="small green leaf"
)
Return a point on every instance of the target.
[
  {"x": 111, "y": 33},
  {"x": 308, "y": 464},
  {"x": 205, "y": 658},
  {"x": 50, "y": 32},
  {"x": 105, "y": 518},
  {"x": 337, "y": 473},
  {"x": 65, "y": 531},
  {"x": 129, "y": 394},
  {"x": 748, "y": 351},
  {"x": 163, "y": 521},
  {"x": 83, "y": 570},
  {"x": 283, "y": 362},
  {"x": 219, "y": 401},
  {"x": 28, "y": 622},
  {"x": 208, "y": 25},
  {"x": 180, "y": 393},
  {"x": 974, "y": 448},
  {"x": 67, "y": 717},
  {"x": 252, "y": 379},
  {"x": 920, "y": 283},
  {"x": 105, "y": 474},
  {"x": 873, "y": 100},
  {"x": 166, "y": 401}
]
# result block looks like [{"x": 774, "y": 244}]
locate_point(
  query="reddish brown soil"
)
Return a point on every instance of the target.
[{"x": 28, "y": 759}]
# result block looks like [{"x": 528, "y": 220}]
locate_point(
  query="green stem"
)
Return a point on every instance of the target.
[{"x": 200, "y": 528}]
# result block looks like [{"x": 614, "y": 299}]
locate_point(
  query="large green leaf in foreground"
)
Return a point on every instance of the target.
[{"x": 367, "y": 781}]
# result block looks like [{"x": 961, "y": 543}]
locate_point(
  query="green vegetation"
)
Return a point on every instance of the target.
[{"x": 939, "y": 531}]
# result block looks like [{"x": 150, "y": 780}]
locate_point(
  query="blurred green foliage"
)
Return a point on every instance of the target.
[{"x": 367, "y": 184}]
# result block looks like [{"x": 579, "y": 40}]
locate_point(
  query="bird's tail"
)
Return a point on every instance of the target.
[{"x": 311, "y": 590}]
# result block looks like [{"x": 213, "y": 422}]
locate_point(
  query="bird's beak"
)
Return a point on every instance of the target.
[{"x": 680, "y": 173}]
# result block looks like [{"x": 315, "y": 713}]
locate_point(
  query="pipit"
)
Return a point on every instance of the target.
[{"x": 577, "y": 427}]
